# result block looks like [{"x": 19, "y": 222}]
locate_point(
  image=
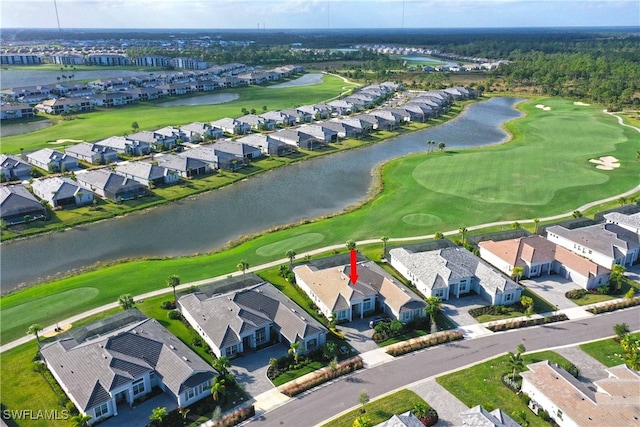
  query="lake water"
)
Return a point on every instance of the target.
[
  {"x": 20, "y": 128},
  {"x": 14, "y": 78},
  {"x": 303, "y": 190},
  {"x": 306, "y": 80},
  {"x": 216, "y": 98}
]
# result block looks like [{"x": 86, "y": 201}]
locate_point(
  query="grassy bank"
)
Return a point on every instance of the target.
[{"x": 543, "y": 171}]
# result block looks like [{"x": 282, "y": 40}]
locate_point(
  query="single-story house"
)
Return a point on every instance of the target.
[
  {"x": 300, "y": 115},
  {"x": 93, "y": 153},
  {"x": 364, "y": 126},
  {"x": 343, "y": 129},
  {"x": 126, "y": 146},
  {"x": 605, "y": 244},
  {"x": 612, "y": 401},
  {"x": 147, "y": 173},
  {"x": 250, "y": 318},
  {"x": 342, "y": 107},
  {"x": 451, "y": 272},
  {"x": 197, "y": 128},
  {"x": 61, "y": 192},
  {"x": 629, "y": 222},
  {"x": 114, "y": 363},
  {"x": 110, "y": 185},
  {"x": 232, "y": 126},
  {"x": 321, "y": 132},
  {"x": 406, "y": 419},
  {"x": 317, "y": 111},
  {"x": 14, "y": 168},
  {"x": 186, "y": 167},
  {"x": 280, "y": 118},
  {"x": 205, "y": 154},
  {"x": 332, "y": 291},
  {"x": 267, "y": 144},
  {"x": 157, "y": 141},
  {"x": 52, "y": 160},
  {"x": 18, "y": 205},
  {"x": 537, "y": 256},
  {"x": 238, "y": 149},
  {"x": 297, "y": 138},
  {"x": 257, "y": 122}
]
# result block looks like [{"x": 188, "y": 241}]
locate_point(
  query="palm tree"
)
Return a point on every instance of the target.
[
  {"x": 126, "y": 301},
  {"x": 622, "y": 201},
  {"x": 438, "y": 236},
  {"x": 536, "y": 223},
  {"x": 295, "y": 349},
  {"x": 350, "y": 244},
  {"x": 173, "y": 281},
  {"x": 291, "y": 254},
  {"x": 441, "y": 146},
  {"x": 577, "y": 214},
  {"x": 33, "y": 330},
  {"x": 516, "y": 274},
  {"x": 222, "y": 365},
  {"x": 516, "y": 363},
  {"x": 434, "y": 305},
  {"x": 218, "y": 389},
  {"x": 463, "y": 231},
  {"x": 158, "y": 415},
  {"x": 616, "y": 276},
  {"x": 81, "y": 420},
  {"x": 384, "y": 239},
  {"x": 242, "y": 266},
  {"x": 515, "y": 225}
]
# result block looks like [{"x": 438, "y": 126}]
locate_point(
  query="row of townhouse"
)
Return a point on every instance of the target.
[{"x": 77, "y": 97}]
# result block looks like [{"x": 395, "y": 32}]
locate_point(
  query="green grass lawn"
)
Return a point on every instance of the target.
[
  {"x": 104, "y": 123},
  {"x": 380, "y": 410},
  {"x": 482, "y": 385},
  {"x": 540, "y": 306},
  {"x": 542, "y": 148},
  {"x": 594, "y": 298},
  {"x": 606, "y": 351}
]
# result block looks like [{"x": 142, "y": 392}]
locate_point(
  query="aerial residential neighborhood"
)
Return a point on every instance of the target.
[{"x": 319, "y": 222}]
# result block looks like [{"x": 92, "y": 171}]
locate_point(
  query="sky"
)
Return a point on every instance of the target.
[{"x": 320, "y": 14}]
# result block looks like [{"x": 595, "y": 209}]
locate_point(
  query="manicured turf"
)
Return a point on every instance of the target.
[
  {"x": 607, "y": 351},
  {"x": 404, "y": 196},
  {"x": 380, "y": 410},
  {"x": 482, "y": 385},
  {"x": 117, "y": 121},
  {"x": 278, "y": 249}
]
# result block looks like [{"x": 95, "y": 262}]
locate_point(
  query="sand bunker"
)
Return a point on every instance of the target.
[
  {"x": 543, "y": 107},
  {"x": 54, "y": 333},
  {"x": 606, "y": 163},
  {"x": 582, "y": 104},
  {"x": 64, "y": 141}
]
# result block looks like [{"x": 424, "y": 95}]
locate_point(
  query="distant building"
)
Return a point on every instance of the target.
[{"x": 17, "y": 205}]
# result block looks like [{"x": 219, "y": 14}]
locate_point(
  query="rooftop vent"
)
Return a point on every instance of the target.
[
  {"x": 171, "y": 347},
  {"x": 185, "y": 358}
]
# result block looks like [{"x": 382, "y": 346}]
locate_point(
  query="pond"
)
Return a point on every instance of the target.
[
  {"x": 11, "y": 129},
  {"x": 286, "y": 195},
  {"x": 216, "y": 98},
  {"x": 306, "y": 80}
]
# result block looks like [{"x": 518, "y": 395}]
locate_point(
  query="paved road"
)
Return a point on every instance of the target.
[{"x": 313, "y": 408}]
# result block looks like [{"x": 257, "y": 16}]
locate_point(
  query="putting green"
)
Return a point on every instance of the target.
[
  {"x": 47, "y": 307},
  {"x": 281, "y": 247},
  {"x": 421, "y": 220}
]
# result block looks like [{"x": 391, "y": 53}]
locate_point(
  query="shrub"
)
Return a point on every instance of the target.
[
  {"x": 423, "y": 342},
  {"x": 320, "y": 376},
  {"x": 572, "y": 369},
  {"x": 196, "y": 341},
  {"x": 603, "y": 290},
  {"x": 544, "y": 415},
  {"x": 174, "y": 315},
  {"x": 513, "y": 324},
  {"x": 575, "y": 293},
  {"x": 167, "y": 305}
]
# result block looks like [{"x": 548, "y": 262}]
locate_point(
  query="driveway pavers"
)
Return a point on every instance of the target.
[
  {"x": 457, "y": 309},
  {"x": 359, "y": 335},
  {"x": 139, "y": 416},
  {"x": 590, "y": 369},
  {"x": 446, "y": 404},
  {"x": 251, "y": 370},
  {"x": 552, "y": 288}
]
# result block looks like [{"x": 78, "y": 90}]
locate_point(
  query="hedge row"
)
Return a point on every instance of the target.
[
  {"x": 423, "y": 342},
  {"x": 320, "y": 376},
  {"x": 523, "y": 323},
  {"x": 616, "y": 305}
]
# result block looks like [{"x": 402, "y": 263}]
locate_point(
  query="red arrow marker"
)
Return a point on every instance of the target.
[{"x": 354, "y": 267}]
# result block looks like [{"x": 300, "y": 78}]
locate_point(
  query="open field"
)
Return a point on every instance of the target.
[
  {"x": 482, "y": 385},
  {"x": 541, "y": 163},
  {"x": 104, "y": 123}
]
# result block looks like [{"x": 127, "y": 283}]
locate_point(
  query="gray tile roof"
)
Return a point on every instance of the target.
[
  {"x": 480, "y": 417},
  {"x": 180, "y": 163},
  {"x": 63, "y": 187},
  {"x": 630, "y": 222},
  {"x": 92, "y": 367},
  {"x": 142, "y": 170},
  {"x": 225, "y": 318},
  {"x": 436, "y": 269},
  {"x": 406, "y": 419},
  {"x": 17, "y": 200},
  {"x": 607, "y": 239}
]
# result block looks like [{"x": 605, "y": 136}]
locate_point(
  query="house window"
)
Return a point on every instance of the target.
[
  {"x": 508, "y": 297},
  {"x": 366, "y": 305},
  {"x": 101, "y": 410},
  {"x": 191, "y": 393},
  {"x": 559, "y": 414},
  {"x": 261, "y": 336},
  {"x": 138, "y": 387},
  {"x": 232, "y": 350},
  {"x": 311, "y": 344},
  {"x": 342, "y": 314}
]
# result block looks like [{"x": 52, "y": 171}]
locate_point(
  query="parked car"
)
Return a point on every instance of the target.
[{"x": 378, "y": 319}]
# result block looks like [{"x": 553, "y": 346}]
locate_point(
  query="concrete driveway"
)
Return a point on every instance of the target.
[
  {"x": 251, "y": 370},
  {"x": 139, "y": 416},
  {"x": 552, "y": 288},
  {"x": 359, "y": 335},
  {"x": 457, "y": 309}
]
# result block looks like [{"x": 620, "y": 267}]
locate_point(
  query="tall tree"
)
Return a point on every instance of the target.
[
  {"x": 516, "y": 273},
  {"x": 384, "y": 239},
  {"x": 135, "y": 126},
  {"x": 218, "y": 389},
  {"x": 291, "y": 254},
  {"x": 617, "y": 276},
  {"x": 242, "y": 266},
  {"x": 295, "y": 349},
  {"x": 222, "y": 365},
  {"x": 350, "y": 244},
  {"x": 34, "y": 329},
  {"x": 158, "y": 415},
  {"x": 536, "y": 224},
  {"x": 516, "y": 363},
  {"x": 434, "y": 305},
  {"x": 174, "y": 281},
  {"x": 463, "y": 232},
  {"x": 441, "y": 146}
]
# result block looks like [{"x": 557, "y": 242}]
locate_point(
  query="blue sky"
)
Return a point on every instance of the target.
[{"x": 224, "y": 14}]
